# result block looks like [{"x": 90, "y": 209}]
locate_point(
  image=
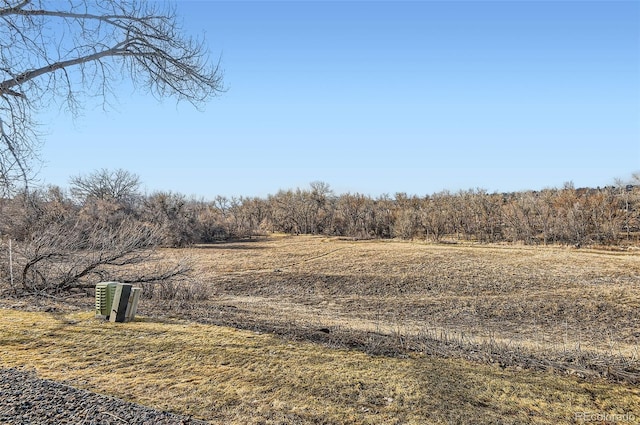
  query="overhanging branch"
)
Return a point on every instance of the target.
[
  {"x": 82, "y": 39},
  {"x": 34, "y": 73}
]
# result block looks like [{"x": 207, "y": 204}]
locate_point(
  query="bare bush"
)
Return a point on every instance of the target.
[
  {"x": 185, "y": 290},
  {"x": 64, "y": 255},
  {"x": 59, "y": 246}
]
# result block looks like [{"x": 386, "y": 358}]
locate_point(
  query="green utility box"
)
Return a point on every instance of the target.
[
  {"x": 117, "y": 302},
  {"x": 132, "y": 304},
  {"x": 104, "y": 298}
]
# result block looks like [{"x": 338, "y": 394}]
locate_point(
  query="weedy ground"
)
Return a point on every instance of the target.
[
  {"x": 556, "y": 304},
  {"x": 326, "y": 330},
  {"x": 226, "y": 375}
]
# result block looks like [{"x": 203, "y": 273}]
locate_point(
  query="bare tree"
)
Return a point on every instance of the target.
[
  {"x": 56, "y": 258},
  {"x": 60, "y": 52},
  {"x": 353, "y": 213},
  {"x": 118, "y": 186},
  {"x": 434, "y": 215},
  {"x": 173, "y": 215}
]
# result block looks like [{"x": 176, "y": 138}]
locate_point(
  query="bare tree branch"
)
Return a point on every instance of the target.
[
  {"x": 31, "y": 74},
  {"x": 61, "y": 53},
  {"x": 13, "y": 9}
]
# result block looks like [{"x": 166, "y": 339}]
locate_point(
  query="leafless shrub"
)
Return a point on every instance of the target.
[
  {"x": 65, "y": 255},
  {"x": 184, "y": 290}
]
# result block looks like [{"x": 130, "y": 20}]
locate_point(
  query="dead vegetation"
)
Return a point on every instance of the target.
[
  {"x": 558, "y": 308},
  {"x": 344, "y": 331},
  {"x": 571, "y": 310},
  {"x": 229, "y": 376}
]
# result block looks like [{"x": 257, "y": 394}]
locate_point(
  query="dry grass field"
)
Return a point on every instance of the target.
[
  {"x": 558, "y": 305},
  {"x": 230, "y": 376},
  {"x": 301, "y": 329}
]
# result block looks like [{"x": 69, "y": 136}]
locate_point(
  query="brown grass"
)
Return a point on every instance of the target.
[
  {"x": 551, "y": 303},
  {"x": 240, "y": 377},
  {"x": 518, "y": 312}
]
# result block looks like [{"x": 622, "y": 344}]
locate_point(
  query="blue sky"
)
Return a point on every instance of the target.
[{"x": 382, "y": 97}]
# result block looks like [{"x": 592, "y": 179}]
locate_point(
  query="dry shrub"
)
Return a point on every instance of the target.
[{"x": 186, "y": 290}]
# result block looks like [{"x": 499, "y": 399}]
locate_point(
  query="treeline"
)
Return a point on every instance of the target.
[
  {"x": 104, "y": 229},
  {"x": 551, "y": 216}
]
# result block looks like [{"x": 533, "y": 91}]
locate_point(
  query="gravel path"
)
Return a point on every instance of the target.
[{"x": 27, "y": 399}]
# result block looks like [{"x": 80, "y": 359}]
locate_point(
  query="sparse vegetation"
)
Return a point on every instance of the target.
[
  {"x": 507, "y": 333},
  {"x": 560, "y": 308},
  {"x": 242, "y": 377},
  {"x": 305, "y": 306},
  {"x": 462, "y": 281}
]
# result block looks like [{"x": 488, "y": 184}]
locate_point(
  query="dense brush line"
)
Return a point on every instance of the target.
[{"x": 603, "y": 216}]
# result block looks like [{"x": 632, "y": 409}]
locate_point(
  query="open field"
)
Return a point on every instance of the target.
[
  {"x": 325, "y": 330},
  {"x": 574, "y": 306},
  {"x": 231, "y": 376}
]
